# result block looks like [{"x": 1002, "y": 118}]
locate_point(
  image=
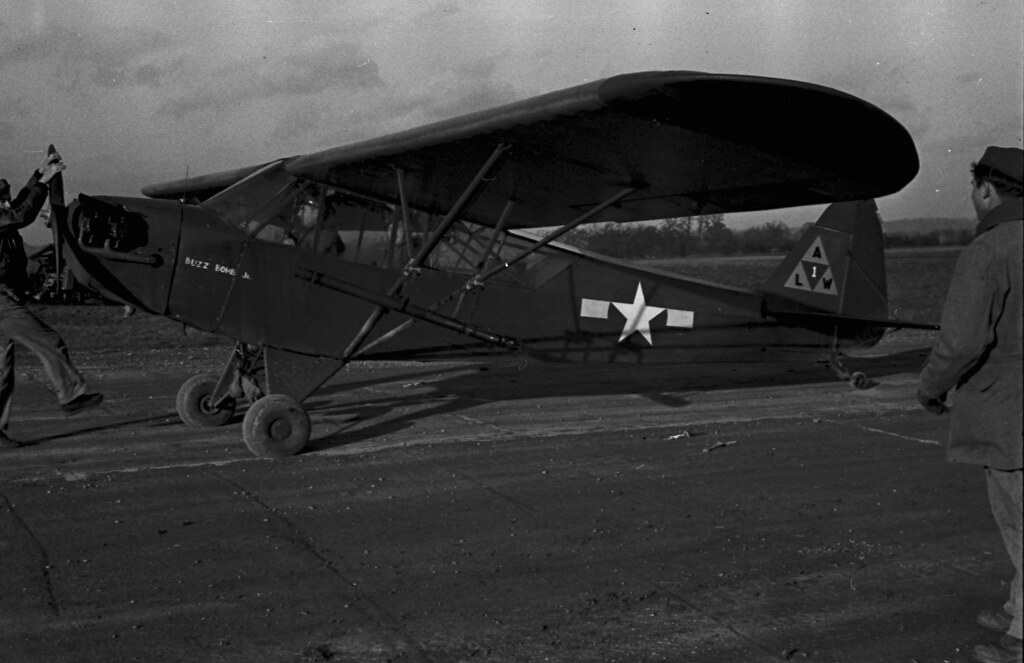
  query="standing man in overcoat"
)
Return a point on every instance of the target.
[{"x": 978, "y": 353}]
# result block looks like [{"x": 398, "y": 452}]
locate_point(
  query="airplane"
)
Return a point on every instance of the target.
[{"x": 442, "y": 241}]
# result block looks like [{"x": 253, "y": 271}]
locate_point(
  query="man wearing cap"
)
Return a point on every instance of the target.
[
  {"x": 16, "y": 322},
  {"x": 978, "y": 352}
]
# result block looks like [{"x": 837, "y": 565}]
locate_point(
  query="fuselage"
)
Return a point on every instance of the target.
[{"x": 184, "y": 261}]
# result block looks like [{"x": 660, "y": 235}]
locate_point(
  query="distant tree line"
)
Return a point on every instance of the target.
[
  {"x": 708, "y": 235},
  {"x": 947, "y": 237}
]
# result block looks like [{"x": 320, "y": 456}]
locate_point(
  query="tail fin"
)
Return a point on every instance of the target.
[{"x": 838, "y": 265}]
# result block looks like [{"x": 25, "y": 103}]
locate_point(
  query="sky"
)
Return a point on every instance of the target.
[{"x": 139, "y": 92}]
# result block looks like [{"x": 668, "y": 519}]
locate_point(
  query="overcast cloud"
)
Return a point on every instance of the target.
[{"x": 140, "y": 92}]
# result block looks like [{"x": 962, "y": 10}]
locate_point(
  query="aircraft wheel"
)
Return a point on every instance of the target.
[
  {"x": 193, "y": 403},
  {"x": 859, "y": 380},
  {"x": 276, "y": 426}
]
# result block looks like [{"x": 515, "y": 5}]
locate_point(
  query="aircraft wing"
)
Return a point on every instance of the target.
[{"x": 690, "y": 142}]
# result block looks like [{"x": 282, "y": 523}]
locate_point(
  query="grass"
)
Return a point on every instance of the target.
[{"x": 919, "y": 280}]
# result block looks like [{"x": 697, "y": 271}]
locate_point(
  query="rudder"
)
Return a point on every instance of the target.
[{"x": 838, "y": 265}]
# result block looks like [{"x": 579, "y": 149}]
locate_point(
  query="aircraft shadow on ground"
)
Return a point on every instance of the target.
[
  {"x": 159, "y": 420},
  {"x": 459, "y": 388},
  {"x": 455, "y": 388}
]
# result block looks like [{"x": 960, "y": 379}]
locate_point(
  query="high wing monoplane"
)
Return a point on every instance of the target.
[{"x": 441, "y": 241}]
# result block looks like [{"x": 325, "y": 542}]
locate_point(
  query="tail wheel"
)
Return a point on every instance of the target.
[
  {"x": 195, "y": 406},
  {"x": 276, "y": 426}
]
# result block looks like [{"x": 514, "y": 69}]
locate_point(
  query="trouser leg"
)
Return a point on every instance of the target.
[
  {"x": 1005, "y": 495},
  {"x": 18, "y": 323},
  {"x": 6, "y": 381}
]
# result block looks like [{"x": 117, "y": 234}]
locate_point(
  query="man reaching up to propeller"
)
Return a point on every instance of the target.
[{"x": 17, "y": 323}]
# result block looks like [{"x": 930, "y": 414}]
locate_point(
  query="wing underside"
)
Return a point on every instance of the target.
[{"x": 688, "y": 143}]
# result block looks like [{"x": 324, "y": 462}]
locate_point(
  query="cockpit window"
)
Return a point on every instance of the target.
[
  {"x": 274, "y": 206},
  {"x": 290, "y": 218}
]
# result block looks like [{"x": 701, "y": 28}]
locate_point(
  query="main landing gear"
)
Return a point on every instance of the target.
[
  {"x": 195, "y": 406},
  {"x": 275, "y": 425},
  {"x": 856, "y": 379}
]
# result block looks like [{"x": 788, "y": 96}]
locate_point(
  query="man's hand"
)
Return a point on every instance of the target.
[
  {"x": 933, "y": 405},
  {"x": 54, "y": 164}
]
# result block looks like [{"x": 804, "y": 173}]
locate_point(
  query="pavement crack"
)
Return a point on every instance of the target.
[
  {"x": 869, "y": 429},
  {"x": 43, "y": 555},
  {"x": 378, "y": 614},
  {"x": 298, "y": 537},
  {"x": 469, "y": 478}
]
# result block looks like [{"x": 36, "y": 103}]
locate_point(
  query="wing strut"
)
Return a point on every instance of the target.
[
  {"x": 481, "y": 277},
  {"x": 486, "y": 256},
  {"x": 404, "y": 306},
  {"x": 483, "y": 177},
  {"x": 465, "y": 200},
  {"x": 502, "y": 220},
  {"x": 400, "y": 176}
]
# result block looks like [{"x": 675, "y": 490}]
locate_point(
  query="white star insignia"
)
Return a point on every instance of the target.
[
  {"x": 638, "y": 316},
  {"x": 637, "y": 313}
]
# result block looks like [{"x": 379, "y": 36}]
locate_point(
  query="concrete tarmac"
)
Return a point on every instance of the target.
[{"x": 508, "y": 511}]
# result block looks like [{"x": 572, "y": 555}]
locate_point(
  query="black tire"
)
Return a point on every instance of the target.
[
  {"x": 859, "y": 380},
  {"x": 193, "y": 403},
  {"x": 276, "y": 426}
]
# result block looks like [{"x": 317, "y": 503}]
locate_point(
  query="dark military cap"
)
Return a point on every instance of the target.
[{"x": 1007, "y": 161}]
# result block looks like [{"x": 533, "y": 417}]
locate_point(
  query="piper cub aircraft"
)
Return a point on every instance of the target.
[{"x": 440, "y": 241}]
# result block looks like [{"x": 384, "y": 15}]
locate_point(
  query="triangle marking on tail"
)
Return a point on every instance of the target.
[
  {"x": 813, "y": 273},
  {"x": 826, "y": 285},
  {"x": 816, "y": 253},
  {"x": 798, "y": 279}
]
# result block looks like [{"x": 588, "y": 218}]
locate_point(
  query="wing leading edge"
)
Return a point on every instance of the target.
[{"x": 690, "y": 142}]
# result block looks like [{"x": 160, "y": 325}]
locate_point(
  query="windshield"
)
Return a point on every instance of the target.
[{"x": 241, "y": 203}]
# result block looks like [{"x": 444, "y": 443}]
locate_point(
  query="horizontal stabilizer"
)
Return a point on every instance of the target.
[{"x": 797, "y": 317}]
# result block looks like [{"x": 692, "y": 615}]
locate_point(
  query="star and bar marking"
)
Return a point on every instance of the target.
[{"x": 637, "y": 313}]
